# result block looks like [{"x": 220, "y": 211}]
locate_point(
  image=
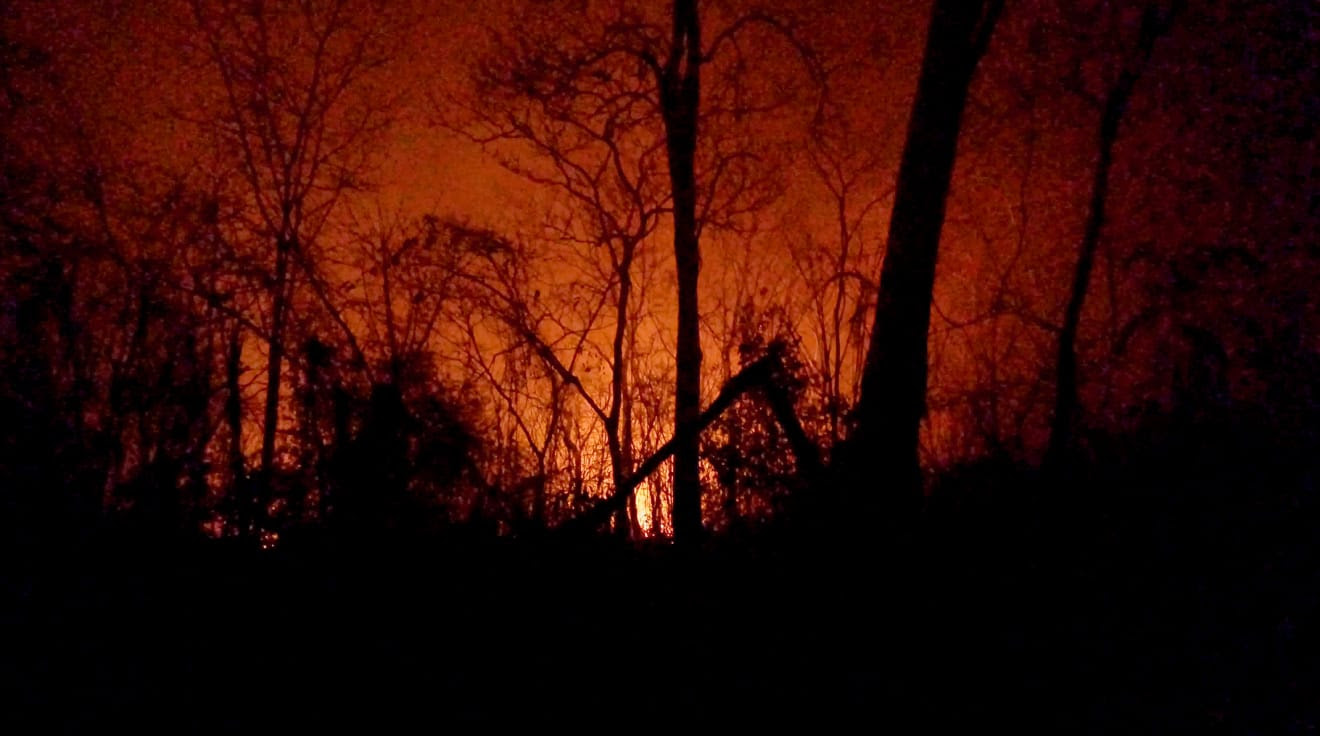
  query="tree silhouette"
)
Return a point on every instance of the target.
[
  {"x": 601, "y": 155},
  {"x": 265, "y": 427},
  {"x": 680, "y": 94},
  {"x": 892, "y": 401},
  {"x": 294, "y": 118},
  {"x": 1067, "y": 405},
  {"x": 600, "y": 112}
]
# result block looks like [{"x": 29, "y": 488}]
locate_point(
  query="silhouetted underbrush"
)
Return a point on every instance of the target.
[{"x": 1171, "y": 583}]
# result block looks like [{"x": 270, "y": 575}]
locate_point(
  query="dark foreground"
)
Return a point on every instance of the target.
[{"x": 1117, "y": 612}]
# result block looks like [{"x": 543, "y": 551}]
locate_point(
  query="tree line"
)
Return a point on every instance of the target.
[{"x": 243, "y": 338}]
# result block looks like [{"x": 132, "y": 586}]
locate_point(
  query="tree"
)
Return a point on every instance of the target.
[
  {"x": 1067, "y": 405},
  {"x": 531, "y": 393},
  {"x": 680, "y": 95},
  {"x": 294, "y": 113},
  {"x": 679, "y": 81},
  {"x": 595, "y": 149},
  {"x": 109, "y": 361},
  {"x": 892, "y": 402},
  {"x": 836, "y": 271},
  {"x": 601, "y": 110}
]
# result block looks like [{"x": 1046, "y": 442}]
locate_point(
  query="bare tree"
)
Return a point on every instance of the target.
[
  {"x": 293, "y": 112},
  {"x": 596, "y": 149},
  {"x": 557, "y": 334},
  {"x": 602, "y": 110},
  {"x": 1067, "y": 406},
  {"x": 531, "y": 403},
  {"x": 679, "y": 82},
  {"x": 680, "y": 95},
  {"x": 837, "y": 270}
]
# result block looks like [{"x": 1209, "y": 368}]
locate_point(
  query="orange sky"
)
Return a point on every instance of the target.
[{"x": 123, "y": 84}]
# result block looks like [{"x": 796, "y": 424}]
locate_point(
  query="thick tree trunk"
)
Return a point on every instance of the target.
[
  {"x": 681, "y": 96},
  {"x": 889, "y": 413}
]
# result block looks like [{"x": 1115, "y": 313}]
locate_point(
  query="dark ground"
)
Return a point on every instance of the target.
[{"x": 1185, "y": 603}]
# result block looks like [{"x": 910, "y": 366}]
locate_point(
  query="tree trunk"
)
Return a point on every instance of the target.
[
  {"x": 634, "y": 524},
  {"x": 617, "y": 424},
  {"x": 681, "y": 96},
  {"x": 1067, "y": 403},
  {"x": 892, "y": 403},
  {"x": 234, "y": 414},
  {"x": 275, "y": 358}
]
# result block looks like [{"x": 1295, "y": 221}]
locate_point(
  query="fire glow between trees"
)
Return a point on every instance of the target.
[
  {"x": 358, "y": 194},
  {"x": 970, "y": 342}
]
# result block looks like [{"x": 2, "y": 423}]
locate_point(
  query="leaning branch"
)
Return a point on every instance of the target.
[{"x": 755, "y": 374}]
